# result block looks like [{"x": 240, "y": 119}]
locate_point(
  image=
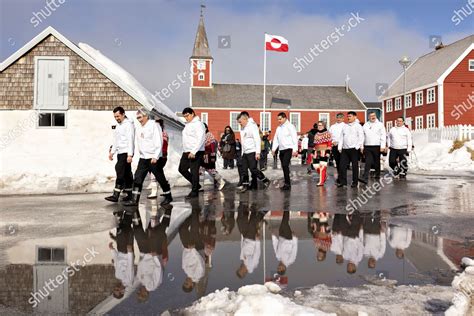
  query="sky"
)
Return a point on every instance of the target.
[{"x": 153, "y": 40}]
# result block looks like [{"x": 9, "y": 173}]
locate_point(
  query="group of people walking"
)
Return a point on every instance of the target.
[{"x": 344, "y": 142}]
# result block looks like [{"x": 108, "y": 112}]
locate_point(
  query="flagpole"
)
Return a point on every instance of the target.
[{"x": 264, "y": 73}]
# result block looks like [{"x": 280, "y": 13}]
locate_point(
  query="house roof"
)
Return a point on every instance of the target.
[
  {"x": 201, "y": 45},
  {"x": 432, "y": 68},
  {"x": 373, "y": 105},
  {"x": 277, "y": 97},
  {"x": 107, "y": 67}
]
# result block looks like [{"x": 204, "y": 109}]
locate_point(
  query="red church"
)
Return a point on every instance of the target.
[
  {"x": 219, "y": 104},
  {"x": 439, "y": 88}
]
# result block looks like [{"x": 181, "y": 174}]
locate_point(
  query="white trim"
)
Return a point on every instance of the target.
[
  {"x": 470, "y": 65},
  {"x": 455, "y": 64},
  {"x": 201, "y": 76},
  {"x": 416, "y": 122},
  {"x": 269, "y": 121},
  {"x": 328, "y": 123},
  {"x": 389, "y": 108},
  {"x": 230, "y": 121},
  {"x": 428, "y": 96},
  {"x": 298, "y": 114},
  {"x": 205, "y": 114},
  {"x": 112, "y": 77},
  {"x": 35, "y": 83},
  {"x": 51, "y": 127},
  {"x": 389, "y": 125},
  {"x": 441, "y": 105},
  {"x": 416, "y": 98},
  {"x": 428, "y": 116},
  {"x": 399, "y": 101},
  {"x": 275, "y": 109}
]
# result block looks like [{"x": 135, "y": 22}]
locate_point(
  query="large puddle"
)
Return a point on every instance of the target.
[{"x": 167, "y": 258}]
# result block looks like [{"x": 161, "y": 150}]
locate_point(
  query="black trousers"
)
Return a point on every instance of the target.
[
  {"x": 189, "y": 168},
  {"x": 372, "y": 158},
  {"x": 248, "y": 225},
  {"x": 250, "y": 163},
  {"x": 145, "y": 166},
  {"x": 263, "y": 159},
  {"x": 124, "y": 172},
  {"x": 285, "y": 158},
  {"x": 229, "y": 163},
  {"x": 402, "y": 165},
  {"x": 350, "y": 155},
  {"x": 304, "y": 154},
  {"x": 337, "y": 157},
  {"x": 240, "y": 168},
  {"x": 285, "y": 229}
]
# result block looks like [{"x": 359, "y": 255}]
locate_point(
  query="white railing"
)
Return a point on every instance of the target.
[{"x": 437, "y": 134}]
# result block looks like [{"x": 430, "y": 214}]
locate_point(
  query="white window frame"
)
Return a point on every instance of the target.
[
  {"x": 389, "y": 125},
  {"x": 418, "y": 119},
  {"x": 42, "y": 112},
  {"x": 409, "y": 122},
  {"x": 407, "y": 98},
  {"x": 431, "y": 92},
  {"x": 201, "y": 76},
  {"x": 431, "y": 120},
  {"x": 388, "y": 106},
  {"x": 204, "y": 117},
  {"x": 38, "y": 262},
  {"x": 35, "y": 91},
  {"x": 237, "y": 123},
  {"x": 398, "y": 104},
  {"x": 328, "y": 117},
  {"x": 298, "y": 114},
  {"x": 262, "y": 125},
  {"x": 419, "y": 93},
  {"x": 470, "y": 65}
]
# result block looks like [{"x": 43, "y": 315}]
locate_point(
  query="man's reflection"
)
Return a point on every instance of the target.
[
  {"x": 285, "y": 245},
  {"x": 153, "y": 244},
  {"x": 352, "y": 242},
  {"x": 249, "y": 221},
  {"x": 193, "y": 262},
  {"x": 337, "y": 239},
  {"x": 399, "y": 238},
  {"x": 228, "y": 222},
  {"x": 374, "y": 237},
  {"x": 123, "y": 256},
  {"x": 208, "y": 231},
  {"x": 320, "y": 231}
]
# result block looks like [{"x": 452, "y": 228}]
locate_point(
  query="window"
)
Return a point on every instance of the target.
[
  {"x": 233, "y": 121},
  {"x": 52, "y": 119},
  {"x": 398, "y": 104},
  {"x": 295, "y": 119},
  {"x": 431, "y": 98},
  {"x": 325, "y": 118},
  {"x": 418, "y": 122},
  {"x": 51, "y": 83},
  {"x": 47, "y": 254},
  {"x": 201, "y": 76},
  {"x": 265, "y": 118},
  {"x": 471, "y": 64},
  {"x": 430, "y": 120},
  {"x": 409, "y": 122},
  {"x": 389, "y": 105},
  {"x": 389, "y": 125},
  {"x": 407, "y": 101},
  {"x": 204, "y": 117},
  {"x": 419, "y": 98}
]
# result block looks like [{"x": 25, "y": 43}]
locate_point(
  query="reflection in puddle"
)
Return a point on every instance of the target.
[{"x": 167, "y": 258}]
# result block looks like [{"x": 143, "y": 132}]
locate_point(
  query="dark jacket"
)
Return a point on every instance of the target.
[{"x": 230, "y": 140}]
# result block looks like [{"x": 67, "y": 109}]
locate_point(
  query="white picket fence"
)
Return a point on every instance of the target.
[{"x": 437, "y": 134}]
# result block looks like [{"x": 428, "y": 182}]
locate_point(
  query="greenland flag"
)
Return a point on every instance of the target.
[{"x": 276, "y": 43}]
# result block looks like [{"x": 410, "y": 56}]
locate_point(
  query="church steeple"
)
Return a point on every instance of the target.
[{"x": 201, "y": 59}]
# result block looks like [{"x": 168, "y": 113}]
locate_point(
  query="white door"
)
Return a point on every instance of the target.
[
  {"x": 57, "y": 299},
  {"x": 52, "y": 80}
]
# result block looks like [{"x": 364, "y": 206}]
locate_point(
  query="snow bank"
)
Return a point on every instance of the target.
[
  {"x": 249, "y": 300},
  {"x": 120, "y": 75},
  {"x": 436, "y": 156},
  {"x": 463, "y": 284}
]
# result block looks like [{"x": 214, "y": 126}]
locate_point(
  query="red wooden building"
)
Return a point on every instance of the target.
[
  {"x": 219, "y": 104},
  {"x": 439, "y": 88}
]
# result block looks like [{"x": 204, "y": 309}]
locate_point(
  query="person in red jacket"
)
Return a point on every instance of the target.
[{"x": 322, "y": 149}]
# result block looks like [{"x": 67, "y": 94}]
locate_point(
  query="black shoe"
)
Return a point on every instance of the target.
[
  {"x": 364, "y": 181},
  {"x": 167, "y": 199},
  {"x": 354, "y": 185},
  {"x": 192, "y": 195},
  {"x": 286, "y": 187},
  {"x": 200, "y": 188},
  {"x": 135, "y": 198},
  {"x": 115, "y": 196},
  {"x": 128, "y": 197},
  {"x": 403, "y": 176},
  {"x": 340, "y": 185}
]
